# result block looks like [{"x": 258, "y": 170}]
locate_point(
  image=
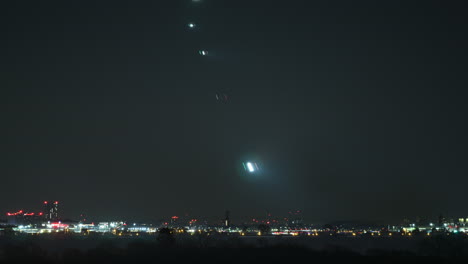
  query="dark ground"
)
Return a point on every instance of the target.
[{"x": 230, "y": 249}]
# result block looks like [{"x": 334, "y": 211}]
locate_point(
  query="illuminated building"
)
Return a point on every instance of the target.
[
  {"x": 295, "y": 218},
  {"x": 23, "y": 218},
  {"x": 15, "y": 218},
  {"x": 174, "y": 220},
  {"x": 51, "y": 210}
]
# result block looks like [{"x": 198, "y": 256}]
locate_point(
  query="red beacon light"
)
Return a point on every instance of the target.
[
  {"x": 17, "y": 213},
  {"x": 56, "y": 202},
  {"x": 45, "y": 202}
]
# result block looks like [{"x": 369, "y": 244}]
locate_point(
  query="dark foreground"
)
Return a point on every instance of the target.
[{"x": 228, "y": 249}]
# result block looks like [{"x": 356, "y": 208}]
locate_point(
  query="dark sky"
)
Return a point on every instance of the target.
[{"x": 352, "y": 109}]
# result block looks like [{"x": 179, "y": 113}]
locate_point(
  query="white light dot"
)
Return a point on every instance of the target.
[{"x": 250, "y": 167}]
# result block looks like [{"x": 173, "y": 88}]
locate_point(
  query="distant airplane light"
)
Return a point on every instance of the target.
[{"x": 250, "y": 167}]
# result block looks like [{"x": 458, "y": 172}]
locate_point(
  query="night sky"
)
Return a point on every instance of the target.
[{"x": 353, "y": 110}]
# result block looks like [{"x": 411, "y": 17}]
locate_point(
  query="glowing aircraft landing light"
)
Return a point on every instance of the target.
[{"x": 250, "y": 167}]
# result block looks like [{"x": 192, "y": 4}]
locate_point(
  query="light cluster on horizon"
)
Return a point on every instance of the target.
[{"x": 292, "y": 225}]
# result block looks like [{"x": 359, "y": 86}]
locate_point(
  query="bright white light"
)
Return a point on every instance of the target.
[
  {"x": 191, "y": 25},
  {"x": 203, "y": 52},
  {"x": 250, "y": 167}
]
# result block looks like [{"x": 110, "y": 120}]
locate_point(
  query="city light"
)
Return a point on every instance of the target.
[{"x": 27, "y": 222}]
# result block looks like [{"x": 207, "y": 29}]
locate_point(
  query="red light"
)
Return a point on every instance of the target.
[
  {"x": 58, "y": 225},
  {"x": 30, "y": 214},
  {"x": 175, "y": 217},
  {"x": 45, "y": 202},
  {"x": 17, "y": 213},
  {"x": 56, "y": 202},
  {"x": 40, "y": 213}
]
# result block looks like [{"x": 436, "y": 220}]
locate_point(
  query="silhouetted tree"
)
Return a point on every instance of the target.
[
  {"x": 264, "y": 229},
  {"x": 244, "y": 229},
  {"x": 166, "y": 237}
]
